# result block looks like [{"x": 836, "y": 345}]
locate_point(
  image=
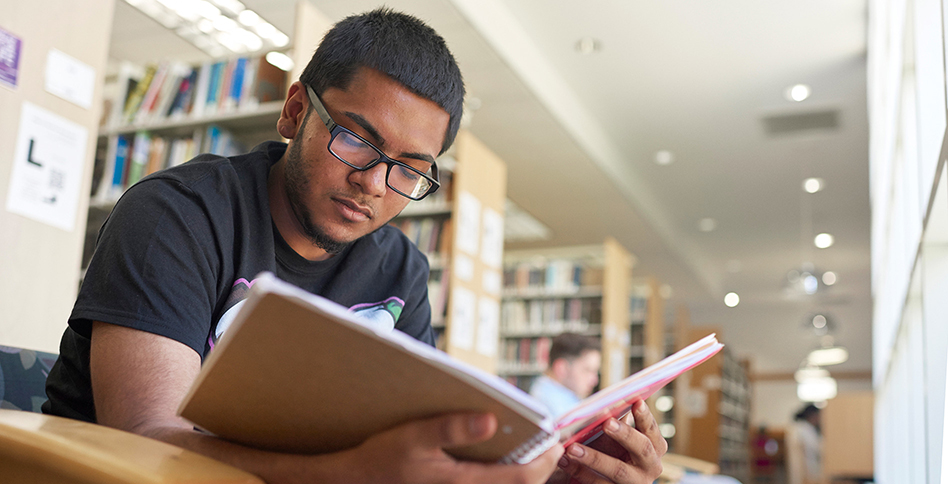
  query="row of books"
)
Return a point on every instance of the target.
[
  {"x": 173, "y": 90},
  {"x": 523, "y": 382},
  {"x": 427, "y": 233},
  {"x": 438, "y": 296},
  {"x": 549, "y": 316},
  {"x": 133, "y": 156},
  {"x": 558, "y": 276},
  {"x": 638, "y": 307},
  {"x": 530, "y": 353}
]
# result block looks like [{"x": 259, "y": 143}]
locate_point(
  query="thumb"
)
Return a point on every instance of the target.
[{"x": 456, "y": 429}]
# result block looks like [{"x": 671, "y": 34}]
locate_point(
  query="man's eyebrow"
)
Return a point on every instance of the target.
[
  {"x": 367, "y": 126},
  {"x": 380, "y": 140}
]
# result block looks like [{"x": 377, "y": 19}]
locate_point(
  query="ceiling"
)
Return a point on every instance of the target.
[{"x": 700, "y": 79}]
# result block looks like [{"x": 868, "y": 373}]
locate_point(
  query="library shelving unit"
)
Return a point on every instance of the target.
[
  {"x": 460, "y": 229},
  {"x": 719, "y": 411},
  {"x": 574, "y": 289}
]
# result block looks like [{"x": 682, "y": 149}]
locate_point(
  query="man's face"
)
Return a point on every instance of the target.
[
  {"x": 337, "y": 204},
  {"x": 582, "y": 373}
]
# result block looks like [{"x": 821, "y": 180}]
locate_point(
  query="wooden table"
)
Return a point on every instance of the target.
[{"x": 37, "y": 448}]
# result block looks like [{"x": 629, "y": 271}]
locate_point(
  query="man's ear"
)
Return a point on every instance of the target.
[
  {"x": 559, "y": 368},
  {"x": 294, "y": 110}
]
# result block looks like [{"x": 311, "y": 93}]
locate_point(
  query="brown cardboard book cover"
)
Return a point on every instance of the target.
[{"x": 298, "y": 373}]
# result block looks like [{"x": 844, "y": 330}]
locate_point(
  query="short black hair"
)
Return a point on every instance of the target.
[
  {"x": 571, "y": 346},
  {"x": 806, "y": 412},
  {"x": 398, "y": 45}
]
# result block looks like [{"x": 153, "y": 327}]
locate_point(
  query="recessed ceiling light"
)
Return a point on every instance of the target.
[
  {"x": 707, "y": 224},
  {"x": 588, "y": 45},
  {"x": 813, "y": 185},
  {"x": 664, "y": 157},
  {"x": 798, "y": 92},
  {"x": 823, "y": 241},
  {"x": 829, "y": 278},
  {"x": 819, "y": 321},
  {"x": 732, "y": 299}
]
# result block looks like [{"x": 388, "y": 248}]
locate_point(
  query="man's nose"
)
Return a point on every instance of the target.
[{"x": 372, "y": 181}]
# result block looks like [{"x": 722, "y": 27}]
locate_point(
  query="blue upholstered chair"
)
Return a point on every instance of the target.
[{"x": 23, "y": 378}]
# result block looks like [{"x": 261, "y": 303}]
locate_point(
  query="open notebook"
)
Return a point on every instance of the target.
[{"x": 299, "y": 373}]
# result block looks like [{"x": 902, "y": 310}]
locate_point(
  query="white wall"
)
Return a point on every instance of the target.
[{"x": 39, "y": 264}]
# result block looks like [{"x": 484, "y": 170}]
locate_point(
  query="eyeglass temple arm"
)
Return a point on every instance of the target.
[{"x": 320, "y": 109}]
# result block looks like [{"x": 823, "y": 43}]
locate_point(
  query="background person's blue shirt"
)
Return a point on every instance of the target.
[{"x": 554, "y": 395}]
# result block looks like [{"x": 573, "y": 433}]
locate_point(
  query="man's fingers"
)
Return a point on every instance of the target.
[
  {"x": 645, "y": 423},
  {"x": 452, "y": 430},
  {"x": 589, "y": 466}
]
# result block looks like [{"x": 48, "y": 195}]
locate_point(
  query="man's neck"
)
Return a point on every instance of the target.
[{"x": 285, "y": 218}]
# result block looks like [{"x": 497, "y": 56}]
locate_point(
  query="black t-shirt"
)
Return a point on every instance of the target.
[{"x": 181, "y": 248}]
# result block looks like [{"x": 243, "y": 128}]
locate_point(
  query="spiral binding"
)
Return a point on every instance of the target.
[{"x": 532, "y": 448}]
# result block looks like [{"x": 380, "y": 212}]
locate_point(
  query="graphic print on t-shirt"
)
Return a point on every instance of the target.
[{"x": 380, "y": 315}]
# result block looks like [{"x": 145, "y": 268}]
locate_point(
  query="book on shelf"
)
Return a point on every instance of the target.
[
  {"x": 173, "y": 90},
  {"x": 322, "y": 393},
  {"x": 130, "y": 157}
]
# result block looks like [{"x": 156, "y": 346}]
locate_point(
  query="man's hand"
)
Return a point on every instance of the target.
[
  {"x": 412, "y": 453},
  {"x": 629, "y": 456},
  {"x": 139, "y": 379}
]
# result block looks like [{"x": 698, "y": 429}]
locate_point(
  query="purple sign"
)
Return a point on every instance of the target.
[{"x": 10, "y": 46}]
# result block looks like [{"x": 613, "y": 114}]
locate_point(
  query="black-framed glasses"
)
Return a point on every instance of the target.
[{"x": 358, "y": 153}]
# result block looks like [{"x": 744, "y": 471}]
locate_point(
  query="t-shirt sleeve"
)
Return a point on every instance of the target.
[{"x": 154, "y": 267}]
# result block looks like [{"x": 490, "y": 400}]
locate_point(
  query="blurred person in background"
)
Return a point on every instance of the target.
[
  {"x": 805, "y": 447},
  {"x": 572, "y": 374}
]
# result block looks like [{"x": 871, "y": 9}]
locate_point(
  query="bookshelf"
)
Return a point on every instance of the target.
[
  {"x": 717, "y": 410},
  {"x": 574, "y": 289}
]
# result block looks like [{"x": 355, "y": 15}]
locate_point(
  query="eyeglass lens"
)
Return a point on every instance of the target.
[{"x": 360, "y": 155}]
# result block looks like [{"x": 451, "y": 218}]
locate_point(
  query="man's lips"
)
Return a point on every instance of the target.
[{"x": 352, "y": 210}]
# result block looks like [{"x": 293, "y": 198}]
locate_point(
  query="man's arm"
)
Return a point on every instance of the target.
[
  {"x": 628, "y": 456},
  {"x": 139, "y": 379}
]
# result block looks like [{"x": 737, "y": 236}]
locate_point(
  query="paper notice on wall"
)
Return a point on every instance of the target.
[
  {"x": 488, "y": 315},
  {"x": 463, "y": 314},
  {"x": 47, "y": 168},
  {"x": 70, "y": 78},
  {"x": 468, "y": 223},
  {"x": 492, "y": 245},
  {"x": 10, "y": 48},
  {"x": 617, "y": 361},
  {"x": 491, "y": 282},
  {"x": 463, "y": 267}
]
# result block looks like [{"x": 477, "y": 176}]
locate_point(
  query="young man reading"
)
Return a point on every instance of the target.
[
  {"x": 379, "y": 101},
  {"x": 572, "y": 373}
]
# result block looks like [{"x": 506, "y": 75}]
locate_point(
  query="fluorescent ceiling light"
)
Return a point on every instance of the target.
[
  {"x": 280, "y": 60},
  {"x": 217, "y": 23},
  {"x": 833, "y": 355},
  {"x": 817, "y": 389}
]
